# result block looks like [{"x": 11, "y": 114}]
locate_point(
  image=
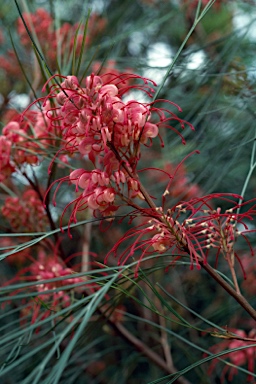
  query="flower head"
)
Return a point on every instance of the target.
[
  {"x": 98, "y": 123},
  {"x": 25, "y": 213}
]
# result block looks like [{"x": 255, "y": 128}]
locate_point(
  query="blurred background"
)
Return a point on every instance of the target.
[{"x": 213, "y": 81}]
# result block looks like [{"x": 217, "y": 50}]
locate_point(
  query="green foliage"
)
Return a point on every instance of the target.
[{"x": 162, "y": 326}]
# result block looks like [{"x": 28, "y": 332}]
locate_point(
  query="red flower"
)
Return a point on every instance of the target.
[{"x": 97, "y": 122}]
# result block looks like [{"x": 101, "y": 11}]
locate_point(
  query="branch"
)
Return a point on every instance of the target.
[
  {"x": 237, "y": 296},
  {"x": 147, "y": 351}
]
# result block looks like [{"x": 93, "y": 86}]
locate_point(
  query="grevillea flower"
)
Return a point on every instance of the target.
[
  {"x": 213, "y": 229},
  {"x": 24, "y": 149},
  {"x": 48, "y": 266},
  {"x": 26, "y": 137},
  {"x": 26, "y": 212},
  {"x": 238, "y": 338},
  {"x": 97, "y": 123},
  {"x": 6, "y": 167},
  {"x": 191, "y": 228}
]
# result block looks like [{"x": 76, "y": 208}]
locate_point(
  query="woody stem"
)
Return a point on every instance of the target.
[{"x": 237, "y": 296}]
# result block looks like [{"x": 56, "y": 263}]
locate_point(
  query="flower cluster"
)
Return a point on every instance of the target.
[
  {"x": 210, "y": 228},
  {"x": 25, "y": 138},
  {"x": 25, "y": 213},
  {"x": 94, "y": 118},
  {"x": 192, "y": 228},
  {"x": 98, "y": 123},
  {"x": 50, "y": 267},
  {"x": 17, "y": 144},
  {"x": 47, "y": 268},
  {"x": 6, "y": 167}
]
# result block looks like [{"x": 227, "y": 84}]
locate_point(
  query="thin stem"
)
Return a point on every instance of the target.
[
  {"x": 197, "y": 20},
  {"x": 141, "y": 346},
  {"x": 237, "y": 296},
  {"x": 86, "y": 247},
  {"x": 147, "y": 351},
  {"x": 249, "y": 174},
  {"x": 233, "y": 273},
  {"x": 34, "y": 185},
  {"x": 164, "y": 337}
]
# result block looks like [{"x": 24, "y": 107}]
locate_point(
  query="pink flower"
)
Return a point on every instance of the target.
[
  {"x": 6, "y": 167},
  {"x": 24, "y": 149},
  {"x": 97, "y": 122},
  {"x": 238, "y": 338},
  {"x": 26, "y": 212},
  {"x": 48, "y": 266}
]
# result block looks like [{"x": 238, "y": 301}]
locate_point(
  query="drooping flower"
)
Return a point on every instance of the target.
[{"x": 97, "y": 123}]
